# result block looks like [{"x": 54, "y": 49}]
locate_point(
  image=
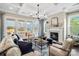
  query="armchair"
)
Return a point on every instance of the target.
[{"x": 61, "y": 50}]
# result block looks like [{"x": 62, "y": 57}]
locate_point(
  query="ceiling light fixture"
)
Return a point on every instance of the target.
[{"x": 38, "y": 13}]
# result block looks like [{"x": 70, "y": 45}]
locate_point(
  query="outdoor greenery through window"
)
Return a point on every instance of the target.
[{"x": 74, "y": 24}]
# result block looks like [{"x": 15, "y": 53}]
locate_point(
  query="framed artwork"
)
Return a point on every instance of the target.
[{"x": 54, "y": 22}]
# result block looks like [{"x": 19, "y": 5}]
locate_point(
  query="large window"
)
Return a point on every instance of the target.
[
  {"x": 73, "y": 24},
  {"x": 21, "y": 27},
  {"x": 28, "y": 26}
]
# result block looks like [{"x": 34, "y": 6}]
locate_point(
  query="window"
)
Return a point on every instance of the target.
[
  {"x": 73, "y": 24},
  {"x": 36, "y": 27},
  {"x": 33, "y": 27},
  {"x": 20, "y": 28},
  {"x": 29, "y": 26},
  {"x": 9, "y": 26}
]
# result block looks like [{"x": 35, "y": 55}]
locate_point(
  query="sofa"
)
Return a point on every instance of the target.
[{"x": 9, "y": 48}]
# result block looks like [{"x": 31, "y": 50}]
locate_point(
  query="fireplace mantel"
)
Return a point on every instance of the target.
[{"x": 56, "y": 29}]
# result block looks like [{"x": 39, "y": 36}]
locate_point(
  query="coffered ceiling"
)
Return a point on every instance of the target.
[{"x": 30, "y": 9}]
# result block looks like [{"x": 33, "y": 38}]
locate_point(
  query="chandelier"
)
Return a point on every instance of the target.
[{"x": 38, "y": 13}]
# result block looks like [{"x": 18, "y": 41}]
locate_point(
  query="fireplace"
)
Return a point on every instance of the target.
[{"x": 54, "y": 36}]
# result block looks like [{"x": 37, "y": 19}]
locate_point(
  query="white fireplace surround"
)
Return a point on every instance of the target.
[{"x": 59, "y": 31}]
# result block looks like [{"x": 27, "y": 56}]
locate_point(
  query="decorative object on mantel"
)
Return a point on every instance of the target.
[{"x": 54, "y": 22}]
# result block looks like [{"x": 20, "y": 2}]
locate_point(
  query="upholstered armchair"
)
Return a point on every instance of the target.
[{"x": 61, "y": 50}]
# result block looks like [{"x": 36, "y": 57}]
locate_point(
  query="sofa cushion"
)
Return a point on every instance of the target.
[{"x": 57, "y": 45}]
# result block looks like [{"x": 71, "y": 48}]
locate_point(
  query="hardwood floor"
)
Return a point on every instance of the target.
[{"x": 75, "y": 51}]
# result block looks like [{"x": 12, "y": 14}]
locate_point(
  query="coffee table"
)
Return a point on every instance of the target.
[{"x": 41, "y": 46}]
